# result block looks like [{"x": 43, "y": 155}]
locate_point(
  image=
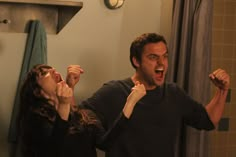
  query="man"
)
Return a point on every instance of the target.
[{"x": 151, "y": 128}]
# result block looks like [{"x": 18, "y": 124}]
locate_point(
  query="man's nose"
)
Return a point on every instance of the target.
[{"x": 160, "y": 60}]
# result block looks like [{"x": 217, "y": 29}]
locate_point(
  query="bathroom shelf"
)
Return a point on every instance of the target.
[{"x": 54, "y": 14}]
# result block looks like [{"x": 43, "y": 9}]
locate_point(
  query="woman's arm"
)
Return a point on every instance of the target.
[{"x": 72, "y": 78}]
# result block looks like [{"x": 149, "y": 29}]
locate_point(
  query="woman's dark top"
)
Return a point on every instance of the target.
[{"x": 45, "y": 134}]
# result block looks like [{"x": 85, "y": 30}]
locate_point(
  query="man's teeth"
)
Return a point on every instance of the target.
[{"x": 159, "y": 70}]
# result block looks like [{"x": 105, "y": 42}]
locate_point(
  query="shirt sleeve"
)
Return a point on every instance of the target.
[
  {"x": 46, "y": 136},
  {"x": 194, "y": 113},
  {"x": 106, "y": 139},
  {"x": 101, "y": 101},
  {"x": 108, "y": 102}
]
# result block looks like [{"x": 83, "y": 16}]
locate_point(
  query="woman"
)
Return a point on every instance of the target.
[{"x": 52, "y": 126}]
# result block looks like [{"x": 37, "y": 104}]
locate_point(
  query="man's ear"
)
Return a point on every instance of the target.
[{"x": 136, "y": 62}]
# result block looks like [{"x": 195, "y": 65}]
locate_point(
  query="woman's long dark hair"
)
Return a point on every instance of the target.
[
  {"x": 30, "y": 101},
  {"x": 28, "y": 94}
]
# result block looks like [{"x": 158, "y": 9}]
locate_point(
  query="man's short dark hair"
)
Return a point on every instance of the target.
[{"x": 137, "y": 46}]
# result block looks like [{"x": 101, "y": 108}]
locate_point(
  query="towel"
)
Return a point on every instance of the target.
[{"x": 35, "y": 53}]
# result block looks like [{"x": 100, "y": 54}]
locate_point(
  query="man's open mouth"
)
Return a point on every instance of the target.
[{"x": 159, "y": 70}]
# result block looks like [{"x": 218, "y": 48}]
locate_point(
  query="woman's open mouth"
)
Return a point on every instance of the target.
[{"x": 58, "y": 78}]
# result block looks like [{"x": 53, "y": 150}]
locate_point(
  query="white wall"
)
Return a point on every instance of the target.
[{"x": 96, "y": 38}]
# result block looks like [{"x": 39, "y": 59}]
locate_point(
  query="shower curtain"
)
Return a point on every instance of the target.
[{"x": 190, "y": 64}]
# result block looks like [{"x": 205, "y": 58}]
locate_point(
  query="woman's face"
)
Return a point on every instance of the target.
[{"x": 47, "y": 80}]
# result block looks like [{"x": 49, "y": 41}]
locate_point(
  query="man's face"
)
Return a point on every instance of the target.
[{"x": 154, "y": 64}]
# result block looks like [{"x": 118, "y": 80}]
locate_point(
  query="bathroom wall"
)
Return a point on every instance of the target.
[
  {"x": 96, "y": 38},
  {"x": 222, "y": 142}
]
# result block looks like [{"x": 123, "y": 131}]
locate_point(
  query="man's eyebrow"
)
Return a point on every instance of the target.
[{"x": 157, "y": 54}]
